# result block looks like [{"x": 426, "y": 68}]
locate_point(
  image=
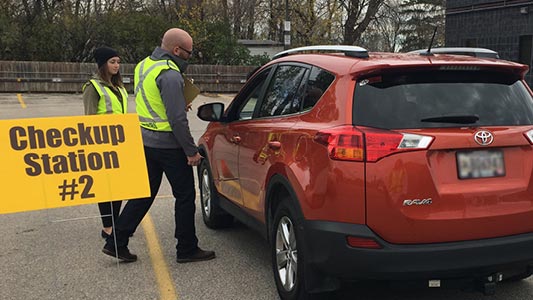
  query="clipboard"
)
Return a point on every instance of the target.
[{"x": 190, "y": 91}]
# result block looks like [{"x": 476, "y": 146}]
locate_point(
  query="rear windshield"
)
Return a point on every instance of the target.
[{"x": 442, "y": 99}]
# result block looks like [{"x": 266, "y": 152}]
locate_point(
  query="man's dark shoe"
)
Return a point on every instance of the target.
[
  {"x": 123, "y": 254},
  {"x": 199, "y": 255}
]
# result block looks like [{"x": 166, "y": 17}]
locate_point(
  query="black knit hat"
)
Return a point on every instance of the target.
[{"x": 103, "y": 54}]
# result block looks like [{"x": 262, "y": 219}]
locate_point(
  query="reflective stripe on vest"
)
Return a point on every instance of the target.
[
  {"x": 149, "y": 104},
  {"x": 109, "y": 103}
]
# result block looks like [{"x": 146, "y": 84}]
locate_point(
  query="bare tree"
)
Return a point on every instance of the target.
[
  {"x": 359, "y": 14},
  {"x": 384, "y": 32},
  {"x": 313, "y": 22}
]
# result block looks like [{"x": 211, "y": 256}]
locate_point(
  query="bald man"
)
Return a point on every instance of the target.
[{"x": 168, "y": 146}]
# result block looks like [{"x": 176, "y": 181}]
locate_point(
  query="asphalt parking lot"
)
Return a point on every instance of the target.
[{"x": 56, "y": 253}]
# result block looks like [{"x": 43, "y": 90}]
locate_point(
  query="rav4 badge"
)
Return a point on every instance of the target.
[{"x": 409, "y": 202}]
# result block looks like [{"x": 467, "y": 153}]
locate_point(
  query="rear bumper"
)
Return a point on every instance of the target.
[{"x": 327, "y": 251}]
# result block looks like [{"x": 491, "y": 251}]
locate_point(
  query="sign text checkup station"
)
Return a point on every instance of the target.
[{"x": 67, "y": 161}]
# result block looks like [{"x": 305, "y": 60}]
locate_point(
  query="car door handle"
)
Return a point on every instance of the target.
[
  {"x": 235, "y": 139},
  {"x": 274, "y": 145}
]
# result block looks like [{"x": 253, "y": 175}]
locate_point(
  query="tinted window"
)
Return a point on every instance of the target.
[
  {"x": 318, "y": 82},
  {"x": 247, "y": 100},
  {"x": 283, "y": 88},
  {"x": 442, "y": 99}
]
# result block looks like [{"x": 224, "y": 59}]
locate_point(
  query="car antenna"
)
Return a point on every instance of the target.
[{"x": 428, "y": 52}]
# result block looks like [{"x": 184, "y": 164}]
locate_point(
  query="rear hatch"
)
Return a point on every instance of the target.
[{"x": 449, "y": 154}]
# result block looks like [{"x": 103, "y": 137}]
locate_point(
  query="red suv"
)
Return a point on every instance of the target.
[{"x": 386, "y": 166}]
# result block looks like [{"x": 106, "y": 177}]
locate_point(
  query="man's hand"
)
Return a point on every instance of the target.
[
  {"x": 189, "y": 107},
  {"x": 194, "y": 160}
]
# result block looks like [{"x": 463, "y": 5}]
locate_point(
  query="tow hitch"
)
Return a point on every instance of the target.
[{"x": 488, "y": 283}]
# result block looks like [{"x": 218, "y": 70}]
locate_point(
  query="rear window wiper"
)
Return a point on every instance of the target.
[{"x": 458, "y": 119}]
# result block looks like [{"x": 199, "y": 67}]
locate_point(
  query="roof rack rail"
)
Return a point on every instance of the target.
[
  {"x": 353, "y": 51},
  {"x": 470, "y": 51}
]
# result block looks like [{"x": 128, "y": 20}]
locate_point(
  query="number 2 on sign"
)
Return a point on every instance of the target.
[
  {"x": 88, "y": 181},
  {"x": 70, "y": 189}
]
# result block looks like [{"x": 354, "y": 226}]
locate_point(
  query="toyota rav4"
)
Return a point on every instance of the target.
[{"x": 382, "y": 166}]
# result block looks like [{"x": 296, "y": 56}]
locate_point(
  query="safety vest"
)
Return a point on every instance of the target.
[
  {"x": 149, "y": 105},
  {"x": 109, "y": 102}
]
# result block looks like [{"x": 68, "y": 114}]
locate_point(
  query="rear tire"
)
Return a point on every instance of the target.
[
  {"x": 213, "y": 215},
  {"x": 286, "y": 248}
]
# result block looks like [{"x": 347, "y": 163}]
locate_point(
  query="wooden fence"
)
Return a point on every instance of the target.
[{"x": 65, "y": 77}]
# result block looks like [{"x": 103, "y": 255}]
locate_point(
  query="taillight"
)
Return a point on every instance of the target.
[
  {"x": 529, "y": 136},
  {"x": 344, "y": 143},
  {"x": 368, "y": 144}
]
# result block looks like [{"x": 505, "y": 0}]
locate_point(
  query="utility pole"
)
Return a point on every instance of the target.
[{"x": 287, "y": 28}]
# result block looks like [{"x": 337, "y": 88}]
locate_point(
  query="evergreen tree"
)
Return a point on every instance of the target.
[{"x": 421, "y": 17}]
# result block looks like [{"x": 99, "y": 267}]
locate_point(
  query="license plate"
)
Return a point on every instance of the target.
[{"x": 480, "y": 164}]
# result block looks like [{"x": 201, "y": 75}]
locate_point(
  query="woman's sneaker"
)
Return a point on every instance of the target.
[{"x": 123, "y": 254}]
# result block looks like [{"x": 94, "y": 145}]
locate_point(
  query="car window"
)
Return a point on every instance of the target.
[
  {"x": 282, "y": 90},
  {"x": 248, "y": 99},
  {"x": 318, "y": 82},
  {"x": 248, "y": 107},
  {"x": 442, "y": 99}
]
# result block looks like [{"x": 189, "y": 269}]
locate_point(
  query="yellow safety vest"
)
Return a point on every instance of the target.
[
  {"x": 149, "y": 105},
  {"x": 109, "y": 102}
]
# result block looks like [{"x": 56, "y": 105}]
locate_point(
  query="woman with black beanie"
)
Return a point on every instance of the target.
[{"x": 105, "y": 94}]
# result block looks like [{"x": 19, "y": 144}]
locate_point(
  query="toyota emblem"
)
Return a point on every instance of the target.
[{"x": 483, "y": 137}]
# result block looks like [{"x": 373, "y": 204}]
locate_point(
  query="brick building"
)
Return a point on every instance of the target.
[{"x": 504, "y": 26}]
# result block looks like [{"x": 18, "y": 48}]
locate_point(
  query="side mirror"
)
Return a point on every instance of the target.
[{"x": 211, "y": 112}]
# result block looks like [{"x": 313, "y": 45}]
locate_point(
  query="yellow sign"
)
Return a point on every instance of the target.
[{"x": 67, "y": 161}]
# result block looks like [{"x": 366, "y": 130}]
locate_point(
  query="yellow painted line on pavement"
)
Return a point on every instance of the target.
[
  {"x": 21, "y": 101},
  {"x": 162, "y": 275}
]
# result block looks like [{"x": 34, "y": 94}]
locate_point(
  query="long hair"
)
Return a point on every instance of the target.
[{"x": 114, "y": 80}]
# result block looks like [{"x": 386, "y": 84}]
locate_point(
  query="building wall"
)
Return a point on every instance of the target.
[
  {"x": 265, "y": 50},
  {"x": 263, "y": 47},
  {"x": 496, "y": 25}
]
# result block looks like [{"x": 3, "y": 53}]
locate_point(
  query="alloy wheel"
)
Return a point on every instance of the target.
[
  {"x": 286, "y": 253},
  {"x": 206, "y": 192}
]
